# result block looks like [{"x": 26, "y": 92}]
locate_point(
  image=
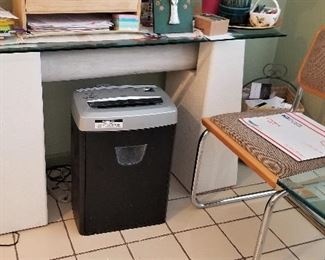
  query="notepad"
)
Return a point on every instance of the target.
[{"x": 294, "y": 133}]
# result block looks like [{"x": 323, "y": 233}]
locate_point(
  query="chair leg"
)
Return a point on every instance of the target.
[
  {"x": 265, "y": 222},
  {"x": 194, "y": 195}
]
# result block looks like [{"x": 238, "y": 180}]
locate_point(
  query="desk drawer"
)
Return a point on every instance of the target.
[{"x": 81, "y": 6}]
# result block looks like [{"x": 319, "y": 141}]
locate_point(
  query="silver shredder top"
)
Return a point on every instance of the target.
[{"x": 117, "y": 108}]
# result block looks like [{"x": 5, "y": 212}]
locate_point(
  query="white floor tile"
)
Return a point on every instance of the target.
[
  {"x": 176, "y": 190},
  {"x": 293, "y": 228},
  {"x": 53, "y": 210},
  {"x": 182, "y": 215},
  {"x": 311, "y": 251},
  {"x": 162, "y": 248},
  {"x": 46, "y": 242},
  {"x": 253, "y": 188},
  {"x": 115, "y": 253},
  {"x": 7, "y": 253},
  {"x": 66, "y": 211},
  {"x": 246, "y": 176},
  {"x": 207, "y": 243},
  {"x": 258, "y": 205},
  {"x": 137, "y": 234},
  {"x": 243, "y": 234},
  {"x": 283, "y": 254},
  {"x": 230, "y": 212},
  {"x": 87, "y": 243}
]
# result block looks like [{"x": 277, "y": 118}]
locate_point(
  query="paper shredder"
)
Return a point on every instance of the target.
[{"x": 121, "y": 145}]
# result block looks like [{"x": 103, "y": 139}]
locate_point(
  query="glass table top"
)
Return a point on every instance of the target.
[
  {"x": 146, "y": 40},
  {"x": 308, "y": 188}
]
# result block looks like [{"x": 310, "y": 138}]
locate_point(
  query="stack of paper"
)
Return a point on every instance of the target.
[
  {"x": 69, "y": 22},
  {"x": 7, "y": 21},
  {"x": 295, "y": 134}
]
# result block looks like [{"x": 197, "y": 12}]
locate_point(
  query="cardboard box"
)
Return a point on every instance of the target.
[{"x": 211, "y": 24}]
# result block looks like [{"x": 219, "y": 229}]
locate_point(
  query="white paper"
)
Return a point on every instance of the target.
[
  {"x": 73, "y": 22},
  {"x": 226, "y": 36},
  {"x": 6, "y": 15},
  {"x": 275, "y": 102},
  {"x": 255, "y": 90},
  {"x": 294, "y": 133}
]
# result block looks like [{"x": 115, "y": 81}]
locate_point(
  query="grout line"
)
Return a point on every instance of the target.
[
  {"x": 66, "y": 229},
  {"x": 191, "y": 229},
  {"x": 148, "y": 238},
  {"x": 276, "y": 250},
  {"x": 130, "y": 252},
  {"x": 234, "y": 220},
  {"x": 188, "y": 191},
  {"x": 224, "y": 233},
  {"x": 185, "y": 197},
  {"x": 248, "y": 185},
  {"x": 178, "y": 241},
  {"x": 260, "y": 216},
  {"x": 311, "y": 241},
  {"x": 15, "y": 246},
  {"x": 63, "y": 257},
  {"x": 293, "y": 253},
  {"x": 99, "y": 249},
  {"x": 269, "y": 228}
]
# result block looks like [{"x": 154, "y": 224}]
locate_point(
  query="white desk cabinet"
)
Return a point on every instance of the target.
[
  {"x": 203, "y": 78},
  {"x": 23, "y": 202}
]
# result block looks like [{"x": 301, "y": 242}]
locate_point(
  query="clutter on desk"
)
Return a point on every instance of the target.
[
  {"x": 173, "y": 16},
  {"x": 264, "y": 16},
  {"x": 126, "y": 22},
  {"x": 271, "y": 91},
  {"x": 69, "y": 22},
  {"x": 211, "y": 24},
  {"x": 7, "y": 22},
  {"x": 25, "y": 8},
  {"x": 237, "y": 11},
  {"x": 242, "y": 14}
]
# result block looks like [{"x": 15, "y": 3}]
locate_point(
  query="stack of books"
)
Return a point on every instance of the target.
[{"x": 7, "y": 21}]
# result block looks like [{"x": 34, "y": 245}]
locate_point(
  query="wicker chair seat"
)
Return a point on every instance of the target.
[{"x": 276, "y": 161}]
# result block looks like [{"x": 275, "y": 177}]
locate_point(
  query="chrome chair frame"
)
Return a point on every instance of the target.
[{"x": 276, "y": 195}]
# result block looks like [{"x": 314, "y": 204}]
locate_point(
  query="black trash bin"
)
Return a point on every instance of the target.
[{"x": 122, "y": 139}]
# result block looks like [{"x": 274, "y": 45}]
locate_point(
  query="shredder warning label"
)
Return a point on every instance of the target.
[{"x": 105, "y": 124}]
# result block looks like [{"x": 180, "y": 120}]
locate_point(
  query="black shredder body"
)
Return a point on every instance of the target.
[{"x": 122, "y": 140}]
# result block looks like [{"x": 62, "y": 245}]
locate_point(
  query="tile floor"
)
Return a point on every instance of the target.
[{"x": 224, "y": 232}]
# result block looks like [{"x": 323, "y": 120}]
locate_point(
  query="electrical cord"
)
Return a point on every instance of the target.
[
  {"x": 59, "y": 182},
  {"x": 16, "y": 240}
]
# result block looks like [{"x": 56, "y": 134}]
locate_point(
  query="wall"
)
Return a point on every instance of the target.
[
  {"x": 260, "y": 52},
  {"x": 302, "y": 19},
  {"x": 5, "y": 4}
]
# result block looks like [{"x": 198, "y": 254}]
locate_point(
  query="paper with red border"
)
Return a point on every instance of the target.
[{"x": 294, "y": 133}]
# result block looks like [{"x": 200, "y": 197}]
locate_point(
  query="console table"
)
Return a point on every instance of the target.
[{"x": 204, "y": 78}]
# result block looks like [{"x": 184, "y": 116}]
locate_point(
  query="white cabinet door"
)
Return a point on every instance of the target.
[{"x": 23, "y": 202}]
